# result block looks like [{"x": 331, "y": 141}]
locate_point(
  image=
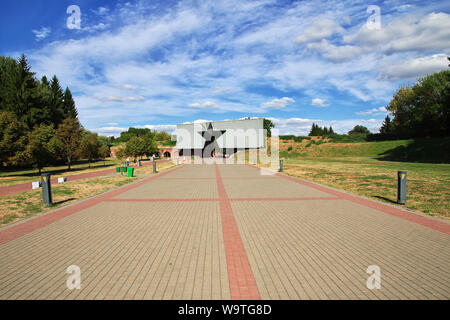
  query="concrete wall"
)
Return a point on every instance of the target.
[{"x": 239, "y": 134}]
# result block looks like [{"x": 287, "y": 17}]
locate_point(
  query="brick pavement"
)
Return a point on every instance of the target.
[{"x": 225, "y": 232}]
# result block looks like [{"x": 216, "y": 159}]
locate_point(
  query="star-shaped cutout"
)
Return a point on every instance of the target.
[{"x": 210, "y": 135}]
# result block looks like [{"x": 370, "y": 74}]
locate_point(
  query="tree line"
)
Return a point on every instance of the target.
[
  {"x": 421, "y": 110},
  {"x": 39, "y": 123}
]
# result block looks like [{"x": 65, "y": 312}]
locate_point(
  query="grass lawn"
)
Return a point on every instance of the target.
[
  {"x": 10, "y": 177},
  {"x": 428, "y": 185},
  {"x": 19, "y": 206}
]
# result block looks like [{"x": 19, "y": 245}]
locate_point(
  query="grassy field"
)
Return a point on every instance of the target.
[
  {"x": 10, "y": 177},
  {"x": 365, "y": 169},
  {"x": 19, "y": 206}
]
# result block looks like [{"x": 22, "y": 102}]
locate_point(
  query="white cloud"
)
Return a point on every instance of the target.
[
  {"x": 317, "y": 102},
  {"x": 101, "y": 10},
  {"x": 112, "y": 124},
  {"x": 412, "y": 69},
  {"x": 318, "y": 30},
  {"x": 98, "y": 27},
  {"x": 277, "y": 103},
  {"x": 125, "y": 87},
  {"x": 109, "y": 131},
  {"x": 169, "y": 128},
  {"x": 374, "y": 111},
  {"x": 204, "y": 105},
  {"x": 220, "y": 90},
  {"x": 335, "y": 53},
  {"x": 410, "y": 33},
  {"x": 121, "y": 99},
  {"x": 42, "y": 33}
]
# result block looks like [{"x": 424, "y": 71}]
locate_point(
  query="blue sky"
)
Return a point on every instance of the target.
[{"x": 159, "y": 63}]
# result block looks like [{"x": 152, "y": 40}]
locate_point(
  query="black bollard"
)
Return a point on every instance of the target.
[
  {"x": 154, "y": 166},
  {"x": 46, "y": 188},
  {"x": 281, "y": 165},
  {"x": 401, "y": 187}
]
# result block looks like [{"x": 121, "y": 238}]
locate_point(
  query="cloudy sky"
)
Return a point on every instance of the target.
[{"x": 158, "y": 63}]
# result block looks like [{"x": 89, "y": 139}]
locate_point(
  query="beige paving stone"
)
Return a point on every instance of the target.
[
  {"x": 122, "y": 249},
  {"x": 321, "y": 249}
]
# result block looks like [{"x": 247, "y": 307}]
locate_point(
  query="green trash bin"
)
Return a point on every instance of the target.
[
  {"x": 118, "y": 169},
  {"x": 130, "y": 172}
]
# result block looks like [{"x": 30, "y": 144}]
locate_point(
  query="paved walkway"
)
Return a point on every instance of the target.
[
  {"x": 226, "y": 232},
  {"x": 26, "y": 186}
]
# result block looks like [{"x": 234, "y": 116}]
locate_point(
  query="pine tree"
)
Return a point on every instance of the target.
[
  {"x": 27, "y": 97},
  {"x": 70, "y": 110},
  {"x": 56, "y": 101},
  {"x": 386, "y": 126}
]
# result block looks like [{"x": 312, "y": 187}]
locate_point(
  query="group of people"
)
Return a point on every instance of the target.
[{"x": 136, "y": 163}]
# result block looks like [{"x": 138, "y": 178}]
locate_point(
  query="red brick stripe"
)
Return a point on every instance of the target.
[
  {"x": 164, "y": 200},
  {"x": 240, "y": 275},
  {"x": 285, "y": 199},
  {"x": 26, "y": 227}
]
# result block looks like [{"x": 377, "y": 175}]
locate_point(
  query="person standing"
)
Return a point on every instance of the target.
[{"x": 128, "y": 162}]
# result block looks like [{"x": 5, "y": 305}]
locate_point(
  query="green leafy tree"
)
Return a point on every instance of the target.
[
  {"x": 162, "y": 136},
  {"x": 13, "y": 138},
  {"x": 268, "y": 125},
  {"x": 90, "y": 147},
  {"x": 43, "y": 146},
  {"x": 150, "y": 146},
  {"x": 135, "y": 147},
  {"x": 422, "y": 109},
  {"x": 69, "y": 132},
  {"x": 359, "y": 130},
  {"x": 104, "y": 153}
]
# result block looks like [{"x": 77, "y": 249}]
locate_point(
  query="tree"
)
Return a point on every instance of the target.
[
  {"x": 135, "y": 147},
  {"x": 56, "y": 101},
  {"x": 43, "y": 146},
  {"x": 359, "y": 130},
  {"x": 268, "y": 125},
  {"x": 150, "y": 146},
  {"x": 69, "y": 132},
  {"x": 330, "y": 131},
  {"x": 90, "y": 147},
  {"x": 315, "y": 130},
  {"x": 386, "y": 126},
  {"x": 135, "y": 132},
  {"x": 13, "y": 138},
  {"x": 162, "y": 136},
  {"x": 69, "y": 109},
  {"x": 422, "y": 109},
  {"x": 104, "y": 153}
]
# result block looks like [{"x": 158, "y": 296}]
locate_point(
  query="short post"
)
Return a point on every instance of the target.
[
  {"x": 154, "y": 166},
  {"x": 178, "y": 161},
  {"x": 46, "y": 188},
  {"x": 401, "y": 187},
  {"x": 281, "y": 165}
]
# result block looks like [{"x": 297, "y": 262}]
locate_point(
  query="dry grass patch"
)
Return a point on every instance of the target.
[
  {"x": 428, "y": 186},
  {"x": 19, "y": 206}
]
